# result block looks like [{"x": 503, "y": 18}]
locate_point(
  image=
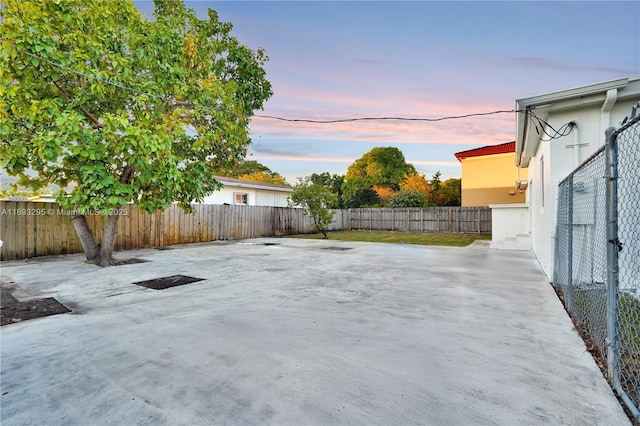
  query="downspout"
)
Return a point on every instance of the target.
[
  {"x": 605, "y": 112},
  {"x": 576, "y": 145}
]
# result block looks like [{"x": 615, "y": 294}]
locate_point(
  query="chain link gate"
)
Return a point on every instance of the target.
[{"x": 597, "y": 254}]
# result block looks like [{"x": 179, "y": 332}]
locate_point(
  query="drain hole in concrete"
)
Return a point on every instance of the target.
[
  {"x": 270, "y": 244},
  {"x": 167, "y": 282},
  {"x": 337, "y": 248}
]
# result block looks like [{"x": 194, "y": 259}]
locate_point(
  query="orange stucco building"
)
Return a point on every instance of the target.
[{"x": 489, "y": 175}]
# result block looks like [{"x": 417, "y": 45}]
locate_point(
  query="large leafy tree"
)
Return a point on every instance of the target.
[
  {"x": 408, "y": 198},
  {"x": 252, "y": 170},
  {"x": 451, "y": 191},
  {"x": 364, "y": 197},
  {"x": 115, "y": 108},
  {"x": 334, "y": 183},
  {"x": 382, "y": 167},
  {"x": 416, "y": 182},
  {"x": 315, "y": 199},
  {"x": 265, "y": 177}
]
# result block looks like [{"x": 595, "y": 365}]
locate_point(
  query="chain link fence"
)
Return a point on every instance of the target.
[
  {"x": 627, "y": 142},
  {"x": 597, "y": 255}
]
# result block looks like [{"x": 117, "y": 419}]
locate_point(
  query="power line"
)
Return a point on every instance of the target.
[
  {"x": 347, "y": 120},
  {"x": 564, "y": 130},
  {"x": 264, "y": 116}
]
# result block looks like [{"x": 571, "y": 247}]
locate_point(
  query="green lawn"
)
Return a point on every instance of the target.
[{"x": 428, "y": 239}]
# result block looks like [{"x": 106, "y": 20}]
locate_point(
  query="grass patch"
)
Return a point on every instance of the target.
[{"x": 427, "y": 239}]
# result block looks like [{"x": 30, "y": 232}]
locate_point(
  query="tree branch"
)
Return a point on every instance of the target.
[
  {"x": 127, "y": 174},
  {"x": 96, "y": 123}
]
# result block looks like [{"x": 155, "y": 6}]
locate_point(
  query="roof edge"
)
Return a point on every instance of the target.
[
  {"x": 631, "y": 84},
  {"x": 590, "y": 89},
  {"x": 252, "y": 184},
  {"x": 503, "y": 148}
]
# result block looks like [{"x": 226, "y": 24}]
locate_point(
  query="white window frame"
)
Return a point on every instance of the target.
[{"x": 241, "y": 194}]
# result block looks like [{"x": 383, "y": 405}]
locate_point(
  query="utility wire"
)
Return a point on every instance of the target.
[
  {"x": 564, "y": 130},
  {"x": 346, "y": 120},
  {"x": 269, "y": 117}
]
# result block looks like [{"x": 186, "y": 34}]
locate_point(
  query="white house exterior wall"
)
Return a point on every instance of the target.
[
  {"x": 255, "y": 197},
  {"x": 227, "y": 196},
  {"x": 277, "y": 199},
  {"x": 560, "y": 159}
]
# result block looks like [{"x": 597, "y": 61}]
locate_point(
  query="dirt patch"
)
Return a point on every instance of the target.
[
  {"x": 13, "y": 311},
  {"x": 168, "y": 282}
]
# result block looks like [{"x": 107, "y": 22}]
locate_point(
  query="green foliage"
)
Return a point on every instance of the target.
[
  {"x": 381, "y": 167},
  {"x": 66, "y": 112},
  {"x": 365, "y": 197},
  {"x": 334, "y": 183},
  {"x": 447, "y": 193},
  {"x": 265, "y": 177},
  {"x": 314, "y": 199},
  {"x": 253, "y": 171},
  {"x": 452, "y": 192},
  {"x": 408, "y": 198}
]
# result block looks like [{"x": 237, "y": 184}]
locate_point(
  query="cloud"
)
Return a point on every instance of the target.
[
  {"x": 300, "y": 102},
  {"x": 537, "y": 62},
  {"x": 375, "y": 62},
  {"x": 283, "y": 157},
  {"x": 472, "y": 131}
]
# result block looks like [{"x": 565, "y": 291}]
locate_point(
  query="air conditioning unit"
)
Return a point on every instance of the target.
[{"x": 522, "y": 184}]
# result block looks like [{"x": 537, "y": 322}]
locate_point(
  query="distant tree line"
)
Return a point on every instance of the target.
[
  {"x": 382, "y": 178},
  {"x": 253, "y": 171}
]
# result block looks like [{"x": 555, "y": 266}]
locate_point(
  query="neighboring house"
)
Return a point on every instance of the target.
[
  {"x": 489, "y": 175},
  {"x": 581, "y": 116},
  {"x": 244, "y": 192},
  {"x": 45, "y": 198}
]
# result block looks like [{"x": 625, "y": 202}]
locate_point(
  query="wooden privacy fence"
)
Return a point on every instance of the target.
[
  {"x": 476, "y": 220},
  {"x": 30, "y": 229}
]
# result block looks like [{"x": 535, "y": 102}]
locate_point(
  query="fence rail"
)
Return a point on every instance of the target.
[
  {"x": 30, "y": 229},
  {"x": 597, "y": 255},
  {"x": 475, "y": 220}
]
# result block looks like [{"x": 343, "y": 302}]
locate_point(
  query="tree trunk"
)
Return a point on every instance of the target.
[
  {"x": 109, "y": 238},
  {"x": 89, "y": 245},
  {"x": 99, "y": 254}
]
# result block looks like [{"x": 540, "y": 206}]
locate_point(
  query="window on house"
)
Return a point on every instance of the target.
[
  {"x": 542, "y": 182},
  {"x": 241, "y": 198}
]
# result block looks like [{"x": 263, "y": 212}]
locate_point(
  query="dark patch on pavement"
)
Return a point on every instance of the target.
[
  {"x": 13, "y": 311},
  {"x": 337, "y": 248},
  {"x": 167, "y": 282},
  {"x": 131, "y": 261}
]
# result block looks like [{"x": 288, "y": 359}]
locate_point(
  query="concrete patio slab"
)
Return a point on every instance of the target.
[{"x": 296, "y": 334}]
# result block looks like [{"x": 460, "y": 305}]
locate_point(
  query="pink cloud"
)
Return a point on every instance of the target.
[
  {"x": 288, "y": 157},
  {"x": 471, "y": 131},
  {"x": 318, "y": 105}
]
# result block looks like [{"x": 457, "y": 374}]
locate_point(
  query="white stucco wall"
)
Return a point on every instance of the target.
[
  {"x": 255, "y": 197},
  {"x": 510, "y": 227},
  {"x": 560, "y": 159}
]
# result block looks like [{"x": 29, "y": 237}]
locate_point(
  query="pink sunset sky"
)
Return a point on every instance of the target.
[{"x": 337, "y": 60}]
